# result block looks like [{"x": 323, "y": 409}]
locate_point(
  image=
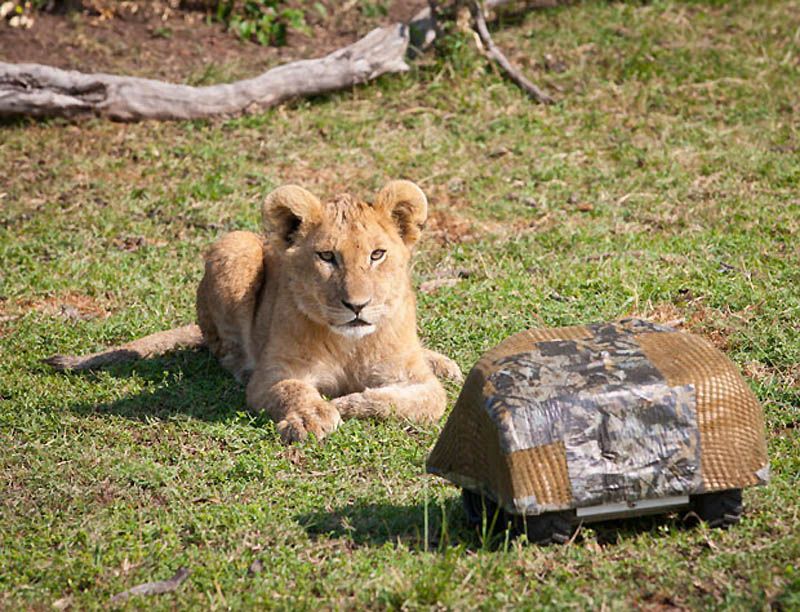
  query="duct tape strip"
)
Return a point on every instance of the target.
[{"x": 627, "y": 432}]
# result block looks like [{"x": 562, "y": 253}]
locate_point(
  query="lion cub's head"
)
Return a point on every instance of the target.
[{"x": 346, "y": 261}]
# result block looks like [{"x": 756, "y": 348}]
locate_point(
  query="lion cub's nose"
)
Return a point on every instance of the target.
[{"x": 356, "y": 308}]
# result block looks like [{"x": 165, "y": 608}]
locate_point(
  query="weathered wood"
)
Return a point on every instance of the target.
[
  {"x": 498, "y": 57},
  {"x": 42, "y": 91},
  {"x": 424, "y": 28}
]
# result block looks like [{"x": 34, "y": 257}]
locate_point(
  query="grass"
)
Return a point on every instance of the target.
[{"x": 663, "y": 184}]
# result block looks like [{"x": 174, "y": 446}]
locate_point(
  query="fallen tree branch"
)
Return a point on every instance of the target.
[
  {"x": 498, "y": 57},
  {"x": 44, "y": 91}
]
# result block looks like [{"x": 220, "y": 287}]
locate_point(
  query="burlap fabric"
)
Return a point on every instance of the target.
[{"x": 553, "y": 419}]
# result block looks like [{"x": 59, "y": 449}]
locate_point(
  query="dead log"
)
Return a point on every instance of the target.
[{"x": 44, "y": 91}]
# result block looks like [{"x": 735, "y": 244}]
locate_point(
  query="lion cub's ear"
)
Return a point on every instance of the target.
[
  {"x": 407, "y": 205},
  {"x": 286, "y": 210}
]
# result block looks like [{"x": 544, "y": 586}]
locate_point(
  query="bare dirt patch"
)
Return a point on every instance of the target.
[
  {"x": 181, "y": 45},
  {"x": 446, "y": 227},
  {"x": 70, "y": 305},
  {"x": 180, "y": 49}
]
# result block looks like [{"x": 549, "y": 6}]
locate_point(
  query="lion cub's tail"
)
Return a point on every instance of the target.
[{"x": 188, "y": 336}]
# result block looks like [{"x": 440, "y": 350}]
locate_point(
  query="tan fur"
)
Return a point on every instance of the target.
[{"x": 276, "y": 314}]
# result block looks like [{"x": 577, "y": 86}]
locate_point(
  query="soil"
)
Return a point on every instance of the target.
[
  {"x": 68, "y": 305},
  {"x": 181, "y": 45}
]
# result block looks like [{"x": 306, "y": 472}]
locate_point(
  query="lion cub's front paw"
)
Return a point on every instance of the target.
[
  {"x": 319, "y": 418},
  {"x": 444, "y": 367}
]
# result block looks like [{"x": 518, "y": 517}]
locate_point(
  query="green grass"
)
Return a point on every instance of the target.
[{"x": 663, "y": 184}]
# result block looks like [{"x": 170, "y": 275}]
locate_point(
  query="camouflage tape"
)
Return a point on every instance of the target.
[{"x": 627, "y": 433}]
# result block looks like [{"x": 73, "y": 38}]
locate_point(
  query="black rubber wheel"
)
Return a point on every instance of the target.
[
  {"x": 719, "y": 509},
  {"x": 476, "y": 506},
  {"x": 548, "y": 528}
]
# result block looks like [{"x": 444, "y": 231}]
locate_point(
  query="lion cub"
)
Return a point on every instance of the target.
[{"x": 320, "y": 306}]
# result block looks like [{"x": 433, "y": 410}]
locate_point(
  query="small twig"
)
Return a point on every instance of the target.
[
  {"x": 501, "y": 60},
  {"x": 576, "y": 534},
  {"x": 153, "y": 588}
]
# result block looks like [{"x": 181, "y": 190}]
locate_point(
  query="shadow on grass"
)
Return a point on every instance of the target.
[
  {"x": 375, "y": 524},
  {"x": 14, "y": 121},
  {"x": 192, "y": 383},
  {"x": 184, "y": 382},
  {"x": 609, "y": 533}
]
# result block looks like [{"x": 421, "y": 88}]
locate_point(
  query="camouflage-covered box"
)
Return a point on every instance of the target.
[{"x": 556, "y": 419}]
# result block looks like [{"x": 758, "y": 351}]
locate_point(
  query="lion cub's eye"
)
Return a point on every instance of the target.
[
  {"x": 326, "y": 256},
  {"x": 377, "y": 254}
]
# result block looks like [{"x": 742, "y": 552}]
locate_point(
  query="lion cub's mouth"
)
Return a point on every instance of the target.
[
  {"x": 358, "y": 322},
  {"x": 355, "y": 328}
]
